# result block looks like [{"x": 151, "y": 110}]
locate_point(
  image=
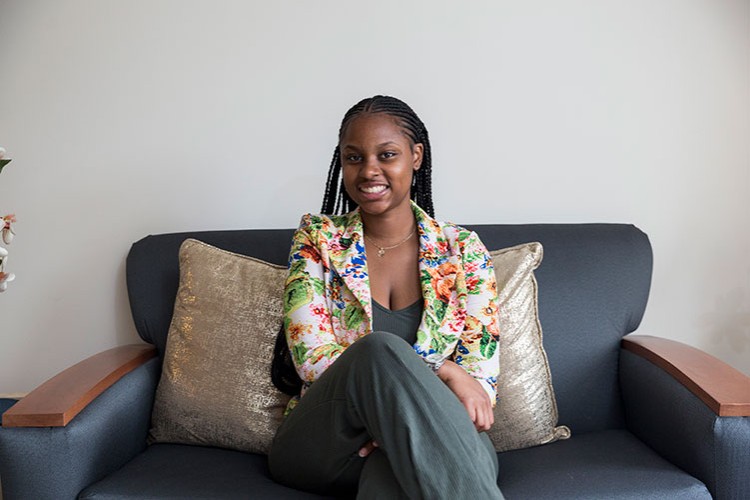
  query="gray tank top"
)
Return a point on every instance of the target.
[{"x": 403, "y": 322}]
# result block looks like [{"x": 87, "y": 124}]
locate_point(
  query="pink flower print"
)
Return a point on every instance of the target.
[
  {"x": 459, "y": 319},
  {"x": 471, "y": 267},
  {"x": 320, "y": 311},
  {"x": 472, "y": 282}
]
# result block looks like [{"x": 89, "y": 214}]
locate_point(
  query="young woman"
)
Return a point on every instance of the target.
[{"x": 391, "y": 321}]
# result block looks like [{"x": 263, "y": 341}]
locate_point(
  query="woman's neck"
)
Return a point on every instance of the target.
[{"x": 390, "y": 226}]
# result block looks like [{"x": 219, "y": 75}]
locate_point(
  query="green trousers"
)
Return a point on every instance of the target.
[{"x": 380, "y": 389}]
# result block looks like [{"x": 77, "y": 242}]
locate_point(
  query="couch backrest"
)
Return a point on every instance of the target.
[{"x": 593, "y": 288}]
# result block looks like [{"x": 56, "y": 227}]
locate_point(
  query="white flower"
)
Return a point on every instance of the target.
[
  {"x": 6, "y": 278},
  {"x": 8, "y": 235},
  {"x": 6, "y": 228},
  {"x": 3, "y": 258}
]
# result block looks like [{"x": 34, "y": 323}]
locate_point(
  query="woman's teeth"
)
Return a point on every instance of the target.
[{"x": 373, "y": 189}]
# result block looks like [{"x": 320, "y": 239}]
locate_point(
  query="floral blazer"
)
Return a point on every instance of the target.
[{"x": 328, "y": 306}]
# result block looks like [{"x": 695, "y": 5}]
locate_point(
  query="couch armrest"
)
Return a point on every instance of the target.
[
  {"x": 673, "y": 396},
  {"x": 722, "y": 388},
  {"x": 58, "y": 462},
  {"x": 58, "y": 400}
]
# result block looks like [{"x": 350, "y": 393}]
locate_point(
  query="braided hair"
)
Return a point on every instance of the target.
[{"x": 336, "y": 201}]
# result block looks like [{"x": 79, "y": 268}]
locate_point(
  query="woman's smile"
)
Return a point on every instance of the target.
[
  {"x": 373, "y": 192},
  {"x": 373, "y": 189}
]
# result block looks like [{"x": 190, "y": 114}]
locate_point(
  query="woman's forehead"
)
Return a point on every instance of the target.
[{"x": 373, "y": 129}]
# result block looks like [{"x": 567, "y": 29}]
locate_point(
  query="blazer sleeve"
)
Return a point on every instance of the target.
[
  {"x": 477, "y": 348},
  {"x": 307, "y": 319}
]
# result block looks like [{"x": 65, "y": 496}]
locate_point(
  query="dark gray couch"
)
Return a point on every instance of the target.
[{"x": 646, "y": 413}]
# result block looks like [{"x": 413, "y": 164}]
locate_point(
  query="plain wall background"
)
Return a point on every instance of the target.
[{"x": 130, "y": 118}]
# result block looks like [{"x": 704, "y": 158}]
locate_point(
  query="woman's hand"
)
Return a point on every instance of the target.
[
  {"x": 471, "y": 394},
  {"x": 367, "y": 448}
]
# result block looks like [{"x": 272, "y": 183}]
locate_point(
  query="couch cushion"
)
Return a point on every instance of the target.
[
  {"x": 153, "y": 271},
  {"x": 526, "y": 413},
  {"x": 192, "y": 472},
  {"x": 215, "y": 387},
  {"x": 609, "y": 464}
]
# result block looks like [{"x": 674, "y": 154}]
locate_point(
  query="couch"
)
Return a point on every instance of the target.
[{"x": 650, "y": 418}]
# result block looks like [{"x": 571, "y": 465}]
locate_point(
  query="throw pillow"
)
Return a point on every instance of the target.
[
  {"x": 526, "y": 412},
  {"x": 215, "y": 388}
]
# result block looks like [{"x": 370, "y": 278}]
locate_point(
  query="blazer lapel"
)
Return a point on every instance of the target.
[{"x": 347, "y": 256}]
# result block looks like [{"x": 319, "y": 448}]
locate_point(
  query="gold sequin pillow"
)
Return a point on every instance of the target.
[
  {"x": 526, "y": 413},
  {"x": 215, "y": 388}
]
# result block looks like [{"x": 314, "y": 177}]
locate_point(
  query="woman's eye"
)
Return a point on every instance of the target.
[
  {"x": 388, "y": 154},
  {"x": 353, "y": 158}
]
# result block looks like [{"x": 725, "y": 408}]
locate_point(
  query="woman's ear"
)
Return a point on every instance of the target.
[{"x": 418, "y": 153}]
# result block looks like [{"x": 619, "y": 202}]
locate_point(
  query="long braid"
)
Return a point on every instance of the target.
[
  {"x": 331, "y": 194},
  {"x": 337, "y": 201}
]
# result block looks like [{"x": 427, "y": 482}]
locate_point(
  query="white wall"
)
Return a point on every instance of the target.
[{"x": 138, "y": 117}]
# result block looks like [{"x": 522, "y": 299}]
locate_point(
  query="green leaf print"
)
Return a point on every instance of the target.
[
  {"x": 470, "y": 360},
  {"x": 426, "y": 278},
  {"x": 318, "y": 285},
  {"x": 345, "y": 242},
  {"x": 437, "y": 345},
  {"x": 421, "y": 337},
  {"x": 449, "y": 339},
  {"x": 298, "y": 352},
  {"x": 487, "y": 345},
  {"x": 473, "y": 256},
  {"x": 297, "y": 268},
  {"x": 353, "y": 316},
  {"x": 440, "y": 308},
  {"x": 431, "y": 324},
  {"x": 298, "y": 293},
  {"x": 327, "y": 351},
  {"x": 491, "y": 349}
]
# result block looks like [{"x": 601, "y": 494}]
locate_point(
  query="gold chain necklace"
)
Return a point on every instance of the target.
[{"x": 381, "y": 250}]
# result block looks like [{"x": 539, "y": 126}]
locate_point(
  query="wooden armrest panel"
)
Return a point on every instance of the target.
[
  {"x": 724, "y": 389},
  {"x": 58, "y": 400}
]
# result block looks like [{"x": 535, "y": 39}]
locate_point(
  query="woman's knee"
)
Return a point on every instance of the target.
[
  {"x": 378, "y": 351},
  {"x": 381, "y": 341}
]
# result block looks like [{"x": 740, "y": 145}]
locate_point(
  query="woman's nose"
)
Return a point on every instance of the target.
[{"x": 370, "y": 166}]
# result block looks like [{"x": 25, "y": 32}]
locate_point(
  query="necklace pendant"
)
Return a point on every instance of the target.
[{"x": 381, "y": 252}]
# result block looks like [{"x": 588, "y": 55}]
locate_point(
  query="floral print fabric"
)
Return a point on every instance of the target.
[{"x": 328, "y": 306}]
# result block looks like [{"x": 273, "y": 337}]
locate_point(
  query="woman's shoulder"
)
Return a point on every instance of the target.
[
  {"x": 319, "y": 221},
  {"x": 453, "y": 232},
  {"x": 323, "y": 224},
  {"x": 463, "y": 241},
  {"x": 446, "y": 230}
]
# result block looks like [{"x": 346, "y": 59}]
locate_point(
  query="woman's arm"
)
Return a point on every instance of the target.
[
  {"x": 307, "y": 320},
  {"x": 477, "y": 351},
  {"x": 470, "y": 392},
  {"x": 472, "y": 375}
]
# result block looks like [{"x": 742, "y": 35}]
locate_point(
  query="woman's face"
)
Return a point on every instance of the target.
[{"x": 378, "y": 162}]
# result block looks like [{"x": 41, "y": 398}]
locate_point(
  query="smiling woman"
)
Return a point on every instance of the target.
[
  {"x": 379, "y": 164},
  {"x": 385, "y": 325}
]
